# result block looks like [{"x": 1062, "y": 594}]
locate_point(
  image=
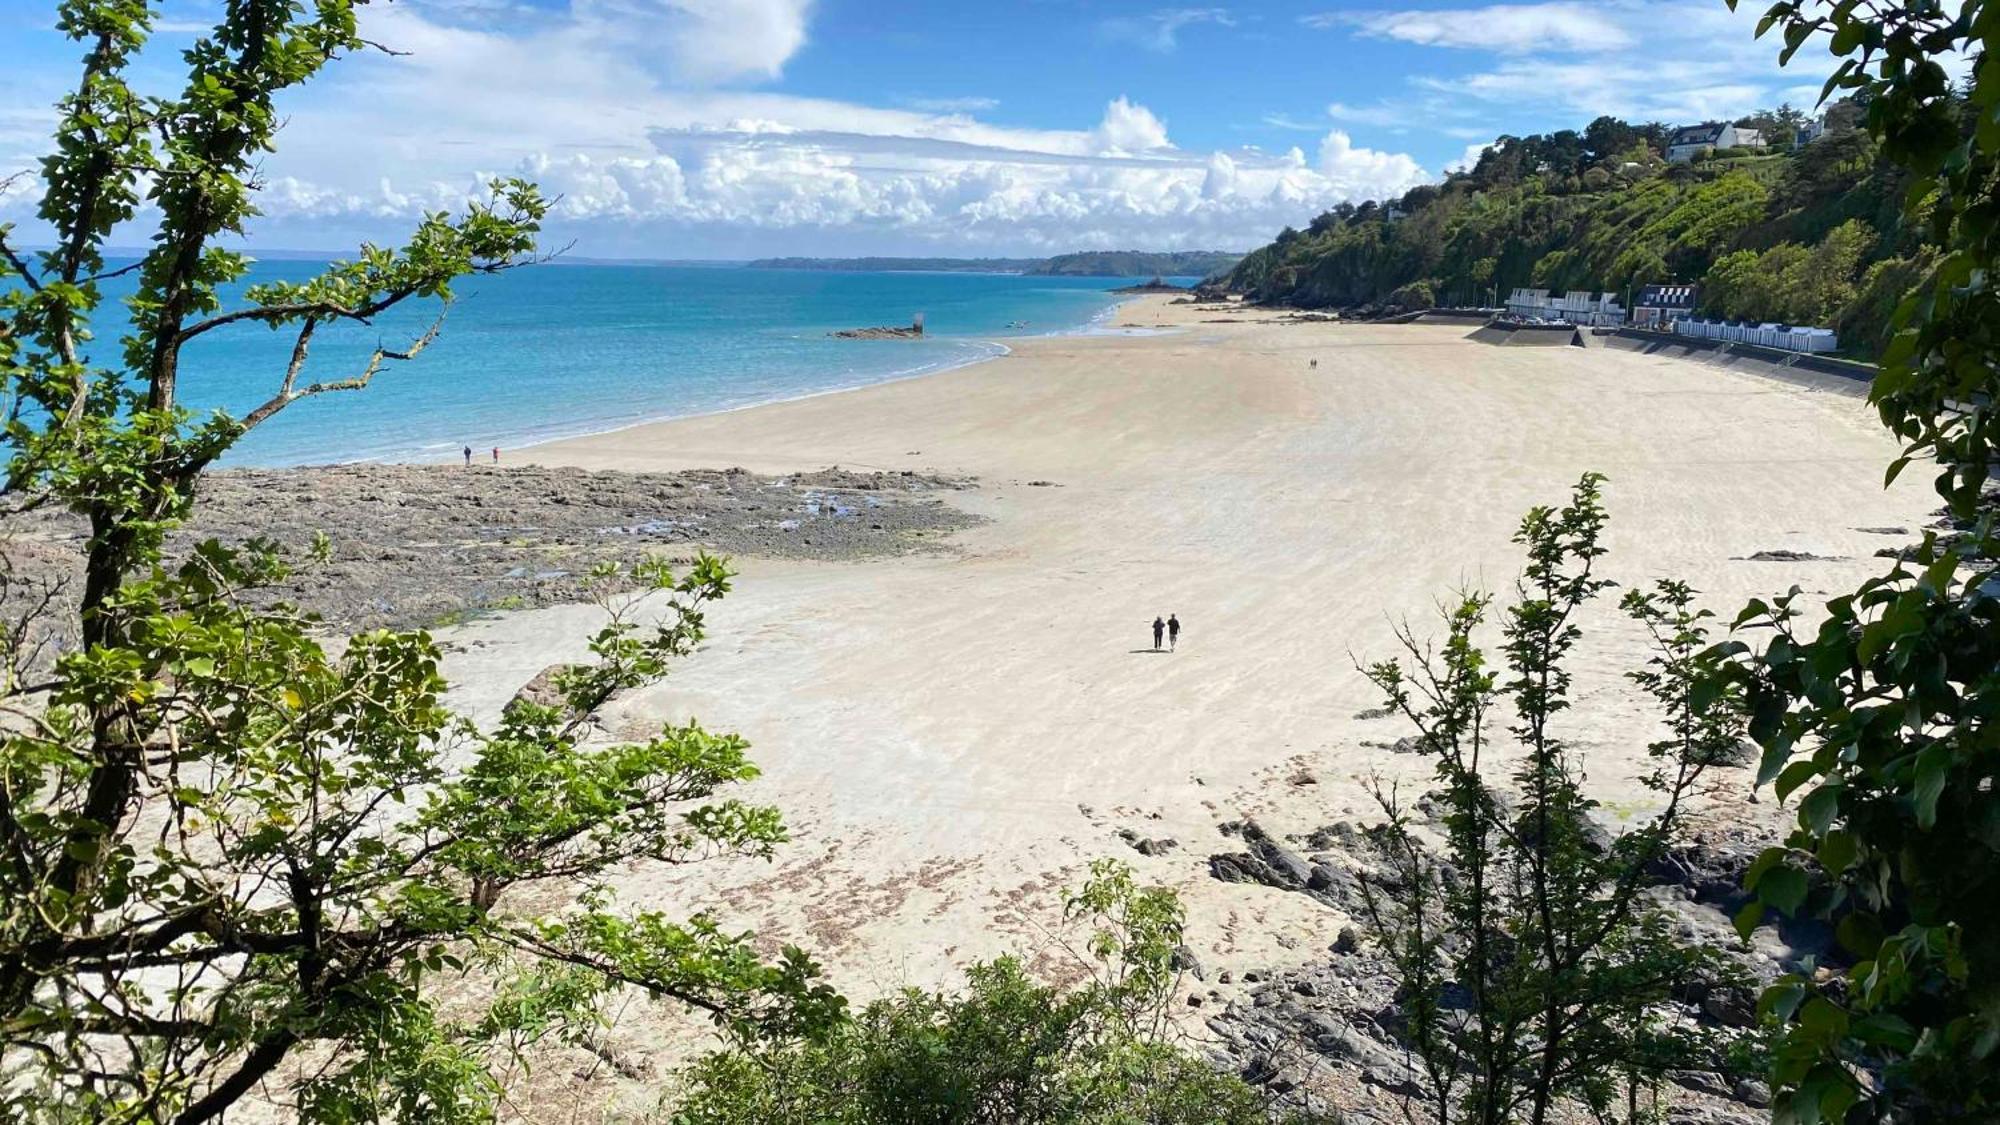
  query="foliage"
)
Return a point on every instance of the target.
[
  {"x": 1006, "y": 1049},
  {"x": 1603, "y": 212},
  {"x": 1533, "y": 970},
  {"x": 1790, "y": 283},
  {"x": 1877, "y": 716},
  {"x": 1415, "y": 295},
  {"x": 227, "y": 846}
]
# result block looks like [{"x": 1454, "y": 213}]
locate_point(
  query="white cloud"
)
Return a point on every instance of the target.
[
  {"x": 1469, "y": 159},
  {"x": 1129, "y": 128},
  {"x": 1160, "y": 30},
  {"x": 1365, "y": 171},
  {"x": 1510, "y": 28},
  {"x": 647, "y": 162},
  {"x": 704, "y": 41},
  {"x": 952, "y": 105},
  {"x": 1561, "y": 64}
]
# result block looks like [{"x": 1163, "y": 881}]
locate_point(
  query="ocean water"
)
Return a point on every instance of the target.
[{"x": 559, "y": 350}]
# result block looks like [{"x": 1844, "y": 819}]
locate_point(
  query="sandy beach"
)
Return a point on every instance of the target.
[{"x": 954, "y": 736}]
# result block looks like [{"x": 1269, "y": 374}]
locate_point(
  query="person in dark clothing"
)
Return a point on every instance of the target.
[
  {"x": 1173, "y": 631},
  {"x": 468, "y": 455},
  {"x": 1159, "y": 630}
]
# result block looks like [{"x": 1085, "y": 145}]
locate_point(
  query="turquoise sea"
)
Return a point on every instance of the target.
[{"x": 565, "y": 349}]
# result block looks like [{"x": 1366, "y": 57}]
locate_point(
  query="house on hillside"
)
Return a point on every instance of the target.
[
  {"x": 1580, "y": 307},
  {"x": 1690, "y": 141},
  {"x": 1660, "y": 305}
]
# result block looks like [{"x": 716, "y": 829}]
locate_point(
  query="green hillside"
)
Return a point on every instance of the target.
[{"x": 1806, "y": 236}]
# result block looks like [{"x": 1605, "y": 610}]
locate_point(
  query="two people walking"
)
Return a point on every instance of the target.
[{"x": 1170, "y": 628}]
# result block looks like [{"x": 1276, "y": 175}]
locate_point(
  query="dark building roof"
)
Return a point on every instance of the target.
[
  {"x": 1666, "y": 297},
  {"x": 1706, "y": 134}
]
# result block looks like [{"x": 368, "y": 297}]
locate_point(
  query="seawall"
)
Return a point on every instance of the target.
[{"x": 1819, "y": 372}]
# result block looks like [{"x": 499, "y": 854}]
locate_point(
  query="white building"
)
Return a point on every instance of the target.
[
  {"x": 1787, "y": 337},
  {"x": 1691, "y": 141},
  {"x": 1580, "y": 307}
]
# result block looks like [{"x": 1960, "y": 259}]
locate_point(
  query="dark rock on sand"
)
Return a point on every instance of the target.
[{"x": 425, "y": 545}]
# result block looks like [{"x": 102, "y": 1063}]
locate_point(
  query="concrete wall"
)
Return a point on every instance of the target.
[{"x": 1816, "y": 371}]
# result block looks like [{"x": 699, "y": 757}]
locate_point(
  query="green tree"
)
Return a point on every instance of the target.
[
  {"x": 226, "y": 845},
  {"x": 1528, "y": 912},
  {"x": 1877, "y": 714},
  {"x": 1005, "y": 1049}
]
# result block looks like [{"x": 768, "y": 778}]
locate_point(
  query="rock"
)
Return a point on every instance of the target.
[
  {"x": 1145, "y": 846},
  {"x": 1333, "y": 835},
  {"x": 542, "y": 691},
  {"x": 1267, "y": 862},
  {"x": 1752, "y": 1093},
  {"x": 1731, "y": 1007},
  {"x": 1784, "y": 555},
  {"x": 1410, "y": 744},
  {"x": 1224, "y": 977},
  {"x": 1374, "y": 713},
  {"x": 1184, "y": 960},
  {"x": 1347, "y": 941},
  {"x": 1700, "y": 1081}
]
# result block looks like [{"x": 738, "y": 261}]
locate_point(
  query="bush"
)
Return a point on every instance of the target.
[{"x": 1005, "y": 1049}]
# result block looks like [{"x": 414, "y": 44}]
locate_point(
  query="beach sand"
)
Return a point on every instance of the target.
[{"x": 953, "y": 738}]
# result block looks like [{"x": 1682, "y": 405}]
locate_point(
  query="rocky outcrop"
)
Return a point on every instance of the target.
[
  {"x": 1335, "y": 1024},
  {"x": 913, "y": 332}
]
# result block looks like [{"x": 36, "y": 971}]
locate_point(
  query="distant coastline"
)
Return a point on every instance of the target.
[{"x": 1090, "y": 263}]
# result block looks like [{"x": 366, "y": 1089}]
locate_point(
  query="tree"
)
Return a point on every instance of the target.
[
  {"x": 1608, "y": 138},
  {"x": 1532, "y": 918},
  {"x": 1878, "y": 716},
  {"x": 224, "y": 844}
]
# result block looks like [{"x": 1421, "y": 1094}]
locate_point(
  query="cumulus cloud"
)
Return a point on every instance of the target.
[
  {"x": 1130, "y": 128},
  {"x": 1469, "y": 159},
  {"x": 1513, "y": 28},
  {"x": 646, "y": 162}
]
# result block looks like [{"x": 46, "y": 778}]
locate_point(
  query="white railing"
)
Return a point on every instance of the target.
[{"x": 1782, "y": 336}]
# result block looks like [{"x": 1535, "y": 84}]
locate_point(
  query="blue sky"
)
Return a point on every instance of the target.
[{"x": 732, "y": 128}]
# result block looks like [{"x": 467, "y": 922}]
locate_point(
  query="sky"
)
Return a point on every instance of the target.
[{"x": 742, "y": 128}]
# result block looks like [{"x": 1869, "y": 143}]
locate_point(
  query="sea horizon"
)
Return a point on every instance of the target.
[{"x": 537, "y": 355}]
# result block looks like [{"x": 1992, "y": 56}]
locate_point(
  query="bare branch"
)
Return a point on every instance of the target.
[{"x": 288, "y": 395}]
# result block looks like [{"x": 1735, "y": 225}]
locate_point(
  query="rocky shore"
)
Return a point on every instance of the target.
[
  {"x": 427, "y": 545},
  {"x": 1328, "y": 1032}
]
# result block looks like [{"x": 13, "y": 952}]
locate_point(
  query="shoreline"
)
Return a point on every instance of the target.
[
  {"x": 1086, "y": 329},
  {"x": 449, "y": 452}
]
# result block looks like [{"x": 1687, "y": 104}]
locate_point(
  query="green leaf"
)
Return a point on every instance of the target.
[
  {"x": 1933, "y": 769},
  {"x": 1784, "y": 888}
]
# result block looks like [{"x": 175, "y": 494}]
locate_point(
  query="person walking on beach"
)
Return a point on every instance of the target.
[
  {"x": 1173, "y": 633},
  {"x": 1159, "y": 629},
  {"x": 496, "y": 455},
  {"x": 468, "y": 455}
]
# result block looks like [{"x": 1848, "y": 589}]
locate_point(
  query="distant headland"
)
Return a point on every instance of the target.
[{"x": 1089, "y": 263}]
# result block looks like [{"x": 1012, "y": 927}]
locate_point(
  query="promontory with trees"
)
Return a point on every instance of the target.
[{"x": 1813, "y": 234}]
